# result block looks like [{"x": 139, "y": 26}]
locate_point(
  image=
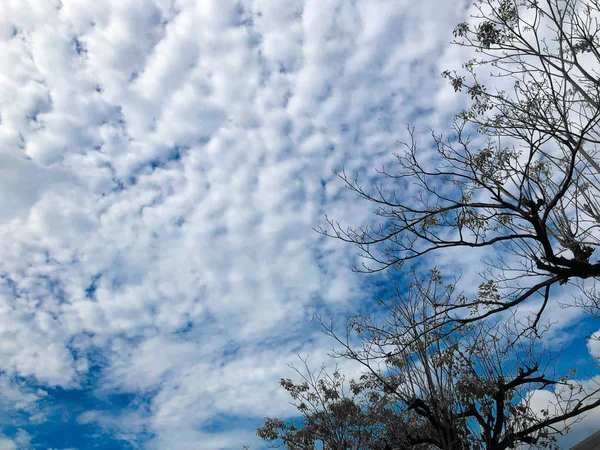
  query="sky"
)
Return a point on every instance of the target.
[{"x": 162, "y": 166}]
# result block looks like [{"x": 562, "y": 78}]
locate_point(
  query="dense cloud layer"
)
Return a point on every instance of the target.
[{"x": 162, "y": 164}]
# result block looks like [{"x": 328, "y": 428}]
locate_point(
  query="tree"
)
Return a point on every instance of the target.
[
  {"x": 519, "y": 176},
  {"x": 426, "y": 387},
  {"x": 332, "y": 413}
]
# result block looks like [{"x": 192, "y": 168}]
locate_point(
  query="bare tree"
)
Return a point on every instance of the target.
[
  {"x": 519, "y": 178},
  {"x": 519, "y": 175},
  {"x": 474, "y": 385},
  {"x": 426, "y": 387}
]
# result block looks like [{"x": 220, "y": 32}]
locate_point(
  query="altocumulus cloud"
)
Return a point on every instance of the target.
[{"x": 162, "y": 164}]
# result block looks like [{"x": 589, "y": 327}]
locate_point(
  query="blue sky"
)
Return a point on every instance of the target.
[{"x": 162, "y": 165}]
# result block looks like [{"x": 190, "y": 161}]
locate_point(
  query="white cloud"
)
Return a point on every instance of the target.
[
  {"x": 557, "y": 399},
  {"x": 594, "y": 345}
]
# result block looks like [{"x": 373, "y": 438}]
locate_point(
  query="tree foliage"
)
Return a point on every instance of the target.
[{"x": 336, "y": 414}]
